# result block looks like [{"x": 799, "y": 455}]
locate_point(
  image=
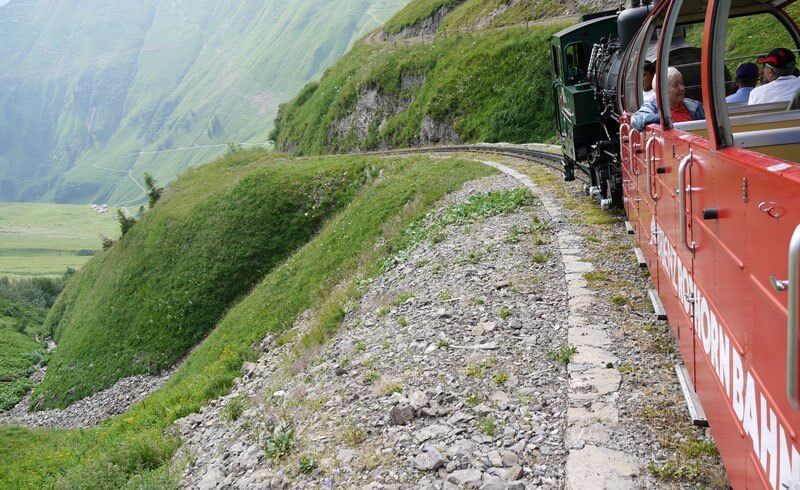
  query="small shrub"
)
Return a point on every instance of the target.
[
  {"x": 477, "y": 301},
  {"x": 625, "y": 368},
  {"x": 475, "y": 370},
  {"x": 126, "y": 221},
  {"x": 371, "y": 377},
  {"x": 442, "y": 344},
  {"x": 475, "y": 398},
  {"x": 403, "y": 298},
  {"x": 353, "y": 436},
  {"x": 540, "y": 258},
  {"x": 563, "y": 354},
  {"x": 619, "y": 300},
  {"x": 438, "y": 237},
  {"x": 402, "y": 321},
  {"x": 308, "y": 464},
  {"x": 390, "y": 388},
  {"x": 360, "y": 346},
  {"x": 504, "y": 313},
  {"x": 106, "y": 241},
  {"x": 500, "y": 378},
  {"x": 383, "y": 312},
  {"x": 596, "y": 276},
  {"x": 235, "y": 407},
  {"x": 153, "y": 190},
  {"x": 487, "y": 426},
  {"x": 279, "y": 443},
  {"x": 674, "y": 470}
]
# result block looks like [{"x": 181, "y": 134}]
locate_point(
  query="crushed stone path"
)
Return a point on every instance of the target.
[
  {"x": 442, "y": 376},
  {"x": 594, "y": 381}
]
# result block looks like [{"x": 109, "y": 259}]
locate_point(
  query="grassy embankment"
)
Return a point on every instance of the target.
[
  {"x": 38, "y": 239},
  {"x": 350, "y": 246},
  {"x": 489, "y": 85},
  {"x": 140, "y": 306}
]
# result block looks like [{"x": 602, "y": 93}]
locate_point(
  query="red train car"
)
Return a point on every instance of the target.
[{"x": 715, "y": 204}]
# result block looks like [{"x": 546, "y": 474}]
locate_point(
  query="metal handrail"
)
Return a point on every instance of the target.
[
  {"x": 791, "y": 322},
  {"x": 648, "y": 156},
  {"x": 682, "y": 191},
  {"x": 623, "y": 128},
  {"x": 630, "y": 151}
]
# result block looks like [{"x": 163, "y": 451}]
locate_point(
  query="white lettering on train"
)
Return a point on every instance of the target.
[{"x": 776, "y": 453}]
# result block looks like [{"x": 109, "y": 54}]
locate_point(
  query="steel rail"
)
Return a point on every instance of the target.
[{"x": 552, "y": 160}]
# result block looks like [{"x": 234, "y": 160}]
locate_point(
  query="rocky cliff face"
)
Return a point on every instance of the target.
[
  {"x": 372, "y": 111},
  {"x": 425, "y": 27}
]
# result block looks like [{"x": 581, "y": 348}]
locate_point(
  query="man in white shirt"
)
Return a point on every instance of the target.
[
  {"x": 648, "y": 73},
  {"x": 780, "y": 85}
]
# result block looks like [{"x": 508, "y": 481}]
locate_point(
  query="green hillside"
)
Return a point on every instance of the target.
[
  {"x": 368, "y": 201},
  {"x": 140, "y": 306},
  {"x": 89, "y": 93},
  {"x": 484, "y": 84}
]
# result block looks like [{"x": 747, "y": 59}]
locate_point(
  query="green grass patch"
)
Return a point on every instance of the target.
[
  {"x": 476, "y": 207},
  {"x": 563, "y": 354},
  {"x": 354, "y": 238},
  {"x": 19, "y": 355}
]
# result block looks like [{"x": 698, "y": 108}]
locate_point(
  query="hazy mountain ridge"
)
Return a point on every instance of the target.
[{"x": 89, "y": 86}]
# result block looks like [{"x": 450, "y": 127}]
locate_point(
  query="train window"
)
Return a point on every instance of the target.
[
  {"x": 755, "y": 126},
  {"x": 555, "y": 57},
  {"x": 576, "y": 61},
  {"x": 641, "y": 51},
  {"x": 632, "y": 96}
]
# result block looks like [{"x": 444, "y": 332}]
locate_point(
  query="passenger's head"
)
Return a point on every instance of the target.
[
  {"x": 779, "y": 62},
  {"x": 747, "y": 74},
  {"x": 648, "y": 72},
  {"x": 675, "y": 87}
]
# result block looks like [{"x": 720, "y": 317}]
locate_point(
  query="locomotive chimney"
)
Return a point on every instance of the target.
[{"x": 629, "y": 21}]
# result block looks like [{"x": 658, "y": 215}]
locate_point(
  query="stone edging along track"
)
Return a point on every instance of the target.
[{"x": 594, "y": 380}]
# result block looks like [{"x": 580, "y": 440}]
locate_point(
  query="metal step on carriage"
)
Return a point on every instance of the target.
[{"x": 714, "y": 205}]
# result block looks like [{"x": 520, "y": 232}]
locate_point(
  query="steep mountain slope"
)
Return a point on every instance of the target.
[
  {"x": 439, "y": 71},
  {"x": 94, "y": 94}
]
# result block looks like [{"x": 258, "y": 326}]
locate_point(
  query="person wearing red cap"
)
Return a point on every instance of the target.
[{"x": 780, "y": 83}]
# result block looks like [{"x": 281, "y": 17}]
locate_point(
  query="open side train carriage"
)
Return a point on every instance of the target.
[{"x": 715, "y": 205}]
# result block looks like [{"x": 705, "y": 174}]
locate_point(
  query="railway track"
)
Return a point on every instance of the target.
[{"x": 541, "y": 156}]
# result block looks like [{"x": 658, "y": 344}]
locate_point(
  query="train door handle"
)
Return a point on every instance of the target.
[
  {"x": 790, "y": 287},
  {"x": 683, "y": 190},
  {"x": 648, "y": 157},
  {"x": 631, "y": 154}
]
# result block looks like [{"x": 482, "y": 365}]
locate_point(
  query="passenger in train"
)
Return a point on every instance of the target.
[
  {"x": 681, "y": 108},
  {"x": 780, "y": 84},
  {"x": 746, "y": 79},
  {"x": 649, "y": 72}
]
